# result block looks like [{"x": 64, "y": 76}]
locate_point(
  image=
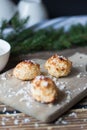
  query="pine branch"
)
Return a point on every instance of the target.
[{"x": 26, "y": 40}]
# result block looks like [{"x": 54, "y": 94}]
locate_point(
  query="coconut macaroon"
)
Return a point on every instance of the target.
[
  {"x": 44, "y": 89},
  {"x": 58, "y": 66},
  {"x": 26, "y": 70}
]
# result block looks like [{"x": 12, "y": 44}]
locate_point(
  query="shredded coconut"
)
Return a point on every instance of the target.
[
  {"x": 85, "y": 87},
  {"x": 82, "y": 127},
  {"x": 10, "y": 93},
  {"x": 73, "y": 114},
  {"x": 26, "y": 120},
  {"x": 3, "y": 76},
  {"x": 4, "y": 109},
  {"x": 16, "y": 121},
  {"x": 54, "y": 79},
  {"x": 85, "y": 120},
  {"x": 30, "y": 61},
  {"x": 79, "y": 89},
  {"x": 61, "y": 121},
  {"x": 4, "y": 120},
  {"x": 78, "y": 65},
  {"x": 36, "y": 124},
  {"x": 64, "y": 122},
  {"x": 45, "y": 84},
  {"x": 61, "y": 85},
  {"x": 7, "y": 113},
  {"x": 58, "y": 121},
  {"x": 15, "y": 112},
  {"x": 40, "y": 77},
  {"x": 50, "y": 105},
  {"x": 81, "y": 75},
  {"x": 57, "y": 83},
  {"x": 2, "y": 123},
  {"x": 62, "y": 57},
  {"x": 68, "y": 96},
  {"x": 49, "y": 128}
]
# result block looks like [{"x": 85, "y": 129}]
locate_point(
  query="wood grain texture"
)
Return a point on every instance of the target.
[
  {"x": 73, "y": 88},
  {"x": 77, "y": 120},
  {"x": 73, "y": 119}
]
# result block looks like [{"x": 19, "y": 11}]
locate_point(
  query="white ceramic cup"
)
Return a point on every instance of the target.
[
  {"x": 34, "y": 9},
  {"x": 7, "y": 10},
  {"x": 4, "y": 53}
]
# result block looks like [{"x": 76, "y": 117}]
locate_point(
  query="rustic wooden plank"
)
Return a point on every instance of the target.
[
  {"x": 74, "y": 119},
  {"x": 77, "y": 90},
  {"x": 78, "y": 119},
  {"x": 81, "y": 104}
]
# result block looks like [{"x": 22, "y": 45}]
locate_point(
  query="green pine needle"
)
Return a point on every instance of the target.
[{"x": 24, "y": 40}]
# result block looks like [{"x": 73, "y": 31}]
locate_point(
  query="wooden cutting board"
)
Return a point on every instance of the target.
[{"x": 73, "y": 88}]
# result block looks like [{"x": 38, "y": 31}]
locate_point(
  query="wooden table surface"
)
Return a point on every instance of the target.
[{"x": 74, "y": 119}]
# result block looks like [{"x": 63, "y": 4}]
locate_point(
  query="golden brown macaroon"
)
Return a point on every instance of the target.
[
  {"x": 58, "y": 66},
  {"x": 26, "y": 70},
  {"x": 44, "y": 89}
]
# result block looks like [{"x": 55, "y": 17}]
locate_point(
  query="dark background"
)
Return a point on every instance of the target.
[{"x": 57, "y": 8}]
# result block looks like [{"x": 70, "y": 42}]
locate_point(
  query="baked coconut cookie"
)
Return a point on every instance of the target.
[
  {"x": 26, "y": 70},
  {"x": 44, "y": 89},
  {"x": 58, "y": 66}
]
